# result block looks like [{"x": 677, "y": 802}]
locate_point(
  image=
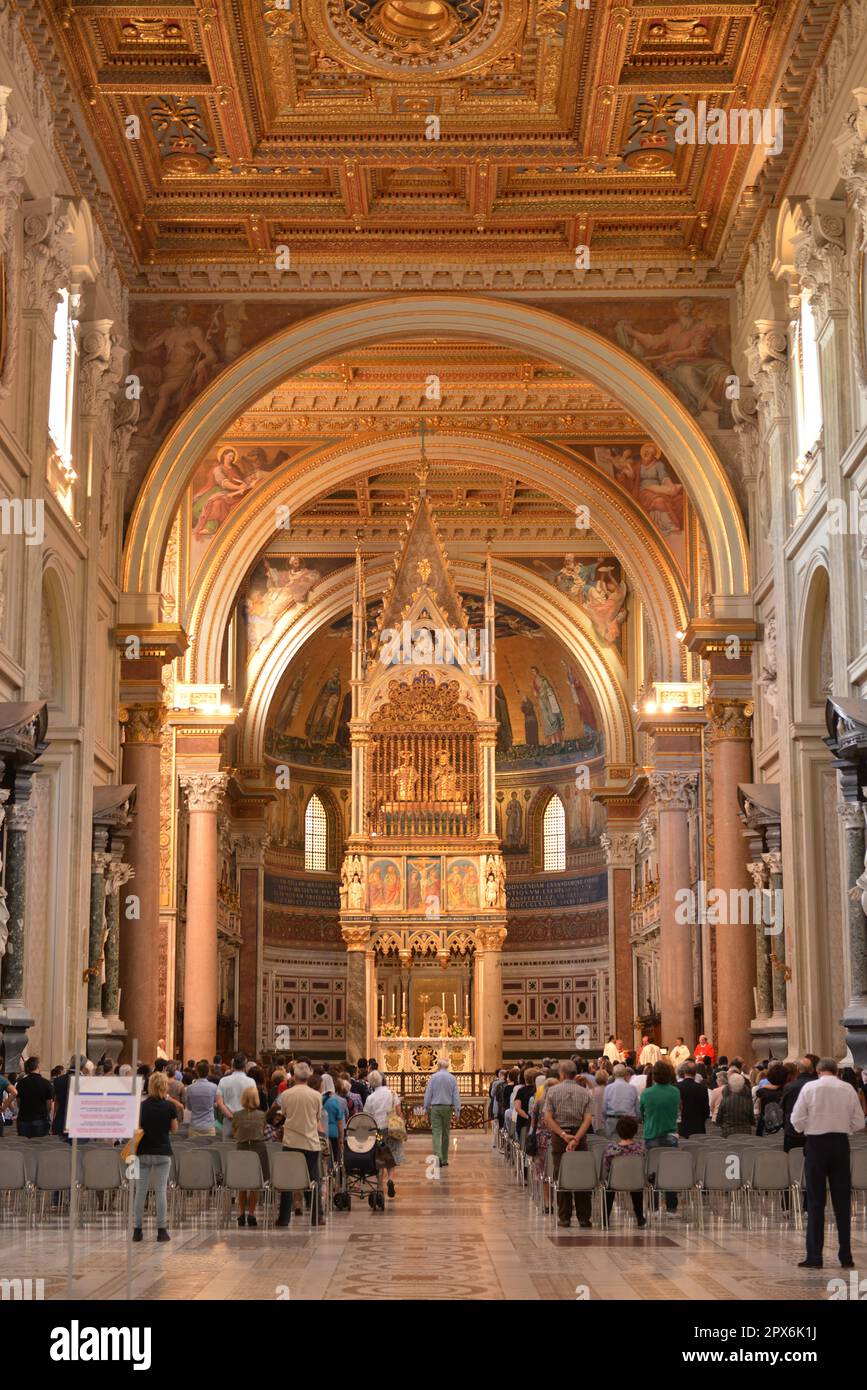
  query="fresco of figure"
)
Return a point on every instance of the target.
[
  {"x": 553, "y": 723},
  {"x": 531, "y": 722},
  {"x": 320, "y": 720},
  {"x": 685, "y": 355},
  {"x": 225, "y": 486},
  {"x": 188, "y": 363},
  {"x": 514, "y": 821}
]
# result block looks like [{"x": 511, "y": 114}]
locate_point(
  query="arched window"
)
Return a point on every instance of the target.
[
  {"x": 315, "y": 837},
  {"x": 808, "y": 392},
  {"x": 62, "y": 381},
  {"x": 554, "y": 837}
]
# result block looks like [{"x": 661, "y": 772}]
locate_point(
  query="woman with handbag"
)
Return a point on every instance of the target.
[{"x": 384, "y": 1106}]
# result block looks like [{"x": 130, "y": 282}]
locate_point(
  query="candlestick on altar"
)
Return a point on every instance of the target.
[{"x": 403, "y": 1020}]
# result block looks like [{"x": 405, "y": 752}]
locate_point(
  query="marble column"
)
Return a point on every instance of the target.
[
  {"x": 15, "y": 1016},
  {"x": 775, "y": 930},
  {"x": 204, "y": 792},
  {"x": 4, "y": 910},
  {"x": 852, "y": 814},
  {"x": 117, "y": 875},
  {"x": 731, "y": 756},
  {"x": 488, "y": 997},
  {"x": 140, "y": 935},
  {"x": 99, "y": 862},
  {"x": 764, "y": 984},
  {"x": 357, "y": 940},
  {"x": 619, "y": 847},
  {"x": 249, "y": 846},
  {"x": 675, "y": 793}
]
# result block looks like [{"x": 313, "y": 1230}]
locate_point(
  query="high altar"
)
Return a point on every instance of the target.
[{"x": 423, "y": 894}]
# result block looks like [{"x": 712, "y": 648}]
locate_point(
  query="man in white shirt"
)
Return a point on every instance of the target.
[
  {"x": 638, "y": 1081},
  {"x": 649, "y": 1052},
  {"x": 230, "y": 1089},
  {"x": 826, "y": 1113},
  {"x": 679, "y": 1054},
  {"x": 611, "y": 1050}
]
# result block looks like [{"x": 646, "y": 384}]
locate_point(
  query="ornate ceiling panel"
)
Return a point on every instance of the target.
[
  {"x": 466, "y": 386},
  {"x": 394, "y": 130}
]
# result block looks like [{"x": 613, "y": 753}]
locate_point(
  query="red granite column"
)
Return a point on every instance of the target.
[
  {"x": 249, "y": 852},
  {"x": 675, "y": 797},
  {"x": 139, "y": 937},
  {"x": 619, "y": 847},
  {"x": 204, "y": 791},
  {"x": 735, "y": 932}
]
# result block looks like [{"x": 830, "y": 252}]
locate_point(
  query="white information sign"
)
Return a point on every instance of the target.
[{"x": 103, "y": 1107}]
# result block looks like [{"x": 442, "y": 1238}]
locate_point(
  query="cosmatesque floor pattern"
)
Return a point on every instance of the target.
[{"x": 471, "y": 1234}]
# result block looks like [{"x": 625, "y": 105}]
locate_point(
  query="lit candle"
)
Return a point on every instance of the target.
[{"x": 444, "y": 1001}]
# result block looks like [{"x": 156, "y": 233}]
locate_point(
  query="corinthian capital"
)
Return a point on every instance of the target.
[
  {"x": 490, "y": 938},
  {"x": 756, "y": 871},
  {"x": 853, "y": 163},
  {"x": 730, "y": 718},
  {"x": 100, "y": 369},
  {"x": 768, "y": 359},
  {"x": 674, "y": 791},
  {"x": 204, "y": 790},
  {"x": 47, "y": 253},
  {"x": 142, "y": 723},
  {"x": 248, "y": 846},
  {"x": 820, "y": 256},
  {"x": 619, "y": 848},
  {"x": 14, "y": 147},
  {"x": 116, "y": 875}
]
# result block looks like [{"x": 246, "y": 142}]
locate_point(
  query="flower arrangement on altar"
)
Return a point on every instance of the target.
[
  {"x": 457, "y": 1030},
  {"x": 389, "y": 1030}
]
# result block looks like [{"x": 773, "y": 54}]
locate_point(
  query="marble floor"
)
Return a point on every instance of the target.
[{"x": 472, "y": 1234}]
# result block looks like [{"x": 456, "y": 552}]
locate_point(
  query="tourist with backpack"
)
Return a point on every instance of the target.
[{"x": 770, "y": 1118}]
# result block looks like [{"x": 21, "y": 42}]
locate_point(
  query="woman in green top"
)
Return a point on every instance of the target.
[{"x": 660, "y": 1111}]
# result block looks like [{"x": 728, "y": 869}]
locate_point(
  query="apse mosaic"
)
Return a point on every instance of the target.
[{"x": 545, "y": 715}]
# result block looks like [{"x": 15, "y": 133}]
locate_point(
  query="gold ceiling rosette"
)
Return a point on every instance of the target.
[
  {"x": 414, "y": 38},
  {"x": 414, "y": 25}
]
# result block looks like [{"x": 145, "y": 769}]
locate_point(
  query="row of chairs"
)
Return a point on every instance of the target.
[
  {"x": 738, "y": 1177},
  {"x": 36, "y": 1177}
]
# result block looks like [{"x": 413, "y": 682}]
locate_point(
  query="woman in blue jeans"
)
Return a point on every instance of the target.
[{"x": 158, "y": 1118}]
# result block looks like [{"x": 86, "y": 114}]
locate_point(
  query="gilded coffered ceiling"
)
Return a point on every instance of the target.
[
  {"x": 466, "y": 385},
  {"x": 409, "y": 130}
]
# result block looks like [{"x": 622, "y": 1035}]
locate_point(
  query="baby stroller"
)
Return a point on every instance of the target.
[{"x": 359, "y": 1160}]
